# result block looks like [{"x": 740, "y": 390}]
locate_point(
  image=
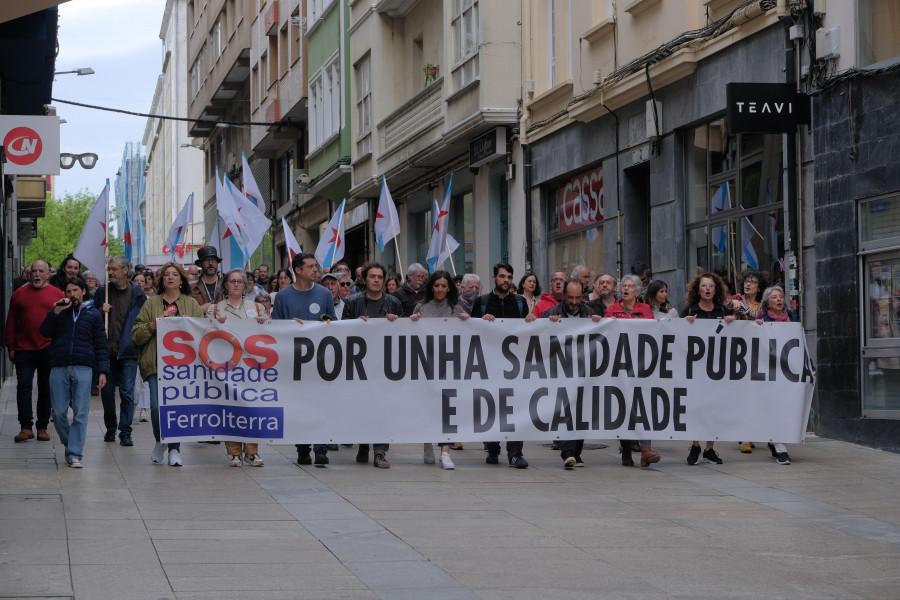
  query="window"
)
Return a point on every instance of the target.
[
  {"x": 325, "y": 102},
  {"x": 215, "y": 36},
  {"x": 263, "y": 75},
  {"x": 273, "y": 60},
  {"x": 879, "y": 242},
  {"x": 316, "y": 9},
  {"x": 879, "y": 31},
  {"x": 195, "y": 78},
  {"x": 364, "y": 105},
  {"x": 285, "y": 167},
  {"x": 734, "y": 204},
  {"x": 255, "y": 95},
  {"x": 284, "y": 50},
  {"x": 465, "y": 42},
  {"x": 297, "y": 34}
]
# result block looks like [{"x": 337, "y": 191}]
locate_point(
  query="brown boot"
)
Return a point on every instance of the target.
[
  {"x": 648, "y": 456},
  {"x": 626, "y": 454},
  {"x": 25, "y": 434},
  {"x": 43, "y": 436}
]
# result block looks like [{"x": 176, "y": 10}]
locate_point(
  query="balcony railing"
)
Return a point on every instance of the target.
[{"x": 419, "y": 114}]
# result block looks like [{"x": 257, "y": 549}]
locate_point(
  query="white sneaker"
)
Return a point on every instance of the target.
[
  {"x": 235, "y": 461},
  {"x": 159, "y": 452},
  {"x": 175, "y": 458},
  {"x": 143, "y": 416},
  {"x": 446, "y": 463},
  {"x": 75, "y": 463},
  {"x": 429, "y": 454},
  {"x": 253, "y": 460}
]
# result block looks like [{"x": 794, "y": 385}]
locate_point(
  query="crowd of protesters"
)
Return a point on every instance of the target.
[{"x": 80, "y": 338}]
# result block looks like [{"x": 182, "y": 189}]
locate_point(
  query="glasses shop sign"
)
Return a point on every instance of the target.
[
  {"x": 581, "y": 200},
  {"x": 765, "y": 108}
]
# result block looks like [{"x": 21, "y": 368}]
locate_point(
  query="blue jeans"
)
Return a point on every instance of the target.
[
  {"x": 154, "y": 412},
  {"x": 71, "y": 386},
  {"x": 121, "y": 374},
  {"x": 27, "y": 363}
]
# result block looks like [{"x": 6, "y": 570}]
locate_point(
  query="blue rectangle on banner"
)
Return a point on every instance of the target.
[{"x": 226, "y": 421}]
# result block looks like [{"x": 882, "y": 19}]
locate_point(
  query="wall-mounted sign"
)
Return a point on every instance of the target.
[
  {"x": 32, "y": 144},
  {"x": 488, "y": 147},
  {"x": 580, "y": 200},
  {"x": 765, "y": 108}
]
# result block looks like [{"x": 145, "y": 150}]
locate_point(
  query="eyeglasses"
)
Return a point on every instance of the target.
[
  {"x": 558, "y": 279},
  {"x": 346, "y": 284},
  {"x": 236, "y": 281}
]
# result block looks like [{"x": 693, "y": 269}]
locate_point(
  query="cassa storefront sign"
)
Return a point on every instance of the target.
[{"x": 581, "y": 200}]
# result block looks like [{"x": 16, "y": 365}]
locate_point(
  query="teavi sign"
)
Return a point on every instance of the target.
[
  {"x": 765, "y": 108},
  {"x": 32, "y": 144}
]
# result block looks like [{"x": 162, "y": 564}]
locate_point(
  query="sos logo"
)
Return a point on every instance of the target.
[
  {"x": 23, "y": 146},
  {"x": 220, "y": 349}
]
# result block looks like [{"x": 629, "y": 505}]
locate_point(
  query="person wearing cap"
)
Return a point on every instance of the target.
[
  {"x": 332, "y": 283},
  {"x": 209, "y": 289}
]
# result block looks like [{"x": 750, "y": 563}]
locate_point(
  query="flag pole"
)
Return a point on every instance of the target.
[
  {"x": 106, "y": 252},
  {"x": 450, "y": 254}
]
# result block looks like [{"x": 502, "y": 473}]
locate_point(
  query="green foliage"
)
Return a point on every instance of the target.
[{"x": 58, "y": 230}]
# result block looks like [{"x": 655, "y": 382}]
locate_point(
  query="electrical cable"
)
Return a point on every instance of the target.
[{"x": 284, "y": 122}]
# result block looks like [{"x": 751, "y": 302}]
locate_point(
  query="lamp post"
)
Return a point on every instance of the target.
[{"x": 79, "y": 72}]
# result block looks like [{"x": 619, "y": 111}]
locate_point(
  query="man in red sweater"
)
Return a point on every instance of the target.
[{"x": 29, "y": 351}]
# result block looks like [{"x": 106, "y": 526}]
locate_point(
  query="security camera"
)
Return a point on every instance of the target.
[{"x": 303, "y": 179}]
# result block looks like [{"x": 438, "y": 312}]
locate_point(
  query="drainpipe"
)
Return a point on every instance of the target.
[{"x": 526, "y": 166}]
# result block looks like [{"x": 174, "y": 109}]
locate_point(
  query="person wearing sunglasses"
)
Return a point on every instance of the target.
[{"x": 332, "y": 284}]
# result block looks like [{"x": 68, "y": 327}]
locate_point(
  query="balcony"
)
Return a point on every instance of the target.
[{"x": 409, "y": 126}]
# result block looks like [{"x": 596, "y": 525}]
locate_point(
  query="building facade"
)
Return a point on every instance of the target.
[
  {"x": 130, "y": 189},
  {"x": 435, "y": 90},
  {"x": 174, "y": 166}
]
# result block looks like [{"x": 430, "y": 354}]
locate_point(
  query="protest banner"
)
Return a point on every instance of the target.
[{"x": 431, "y": 380}]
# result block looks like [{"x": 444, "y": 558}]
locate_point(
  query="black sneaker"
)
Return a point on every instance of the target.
[
  {"x": 783, "y": 459},
  {"x": 518, "y": 461},
  {"x": 126, "y": 440},
  {"x": 711, "y": 456},
  {"x": 492, "y": 459},
  {"x": 772, "y": 450},
  {"x": 321, "y": 458},
  {"x": 303, "y": 458},
  {"x": 694, "y": 456},
  {"x": 110, "y": 435},
  {"x": 362, "y": 456}
]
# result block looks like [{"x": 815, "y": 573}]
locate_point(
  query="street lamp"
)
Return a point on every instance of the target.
[{"x": 79, "y": 72}]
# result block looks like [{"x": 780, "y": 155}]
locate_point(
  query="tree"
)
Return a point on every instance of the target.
[{"x": 59, "y": 228}]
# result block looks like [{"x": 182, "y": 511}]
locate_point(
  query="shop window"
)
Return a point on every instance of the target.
[
  {"x": 879, "y": 31},
  {"x": 734, "y": 205},
  {"x": 575, "y": 215},
  {"x": 879, "y": 240}
]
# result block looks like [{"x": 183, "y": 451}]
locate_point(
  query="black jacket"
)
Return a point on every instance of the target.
[
  {"x": 408, "y": 298},
  {"x": 510, "y": 306},
  {"x": 355, "y": 306}
]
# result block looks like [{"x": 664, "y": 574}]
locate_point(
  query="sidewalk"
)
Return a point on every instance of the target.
[{"x": 827, "y": 526}]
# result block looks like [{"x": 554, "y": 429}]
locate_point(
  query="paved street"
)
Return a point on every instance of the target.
[{"x": 827, "y": 526}]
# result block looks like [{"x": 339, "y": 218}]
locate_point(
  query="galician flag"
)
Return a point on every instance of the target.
[
  {"x": 387, "y": 223},
  {"x": 92, "y": 245},
  {"x": 233, "y": 247},
  {"x": 253, "y": 222},
  {"x": 439, "y": 231},
  {"x": 450, "y": 245},
  {"x": 126, "y": 238},
  {"x": 249, "y": 187},
  {"x": 179, "y": 226},
  {"x": 721, "y": 201},
  {"x": 293, "y": 248},
  {"x": 331, "y": 245},
  {"x": 747, "y": 251}
]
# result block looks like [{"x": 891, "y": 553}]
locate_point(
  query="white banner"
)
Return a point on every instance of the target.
[{"x": 435, "y": 380}]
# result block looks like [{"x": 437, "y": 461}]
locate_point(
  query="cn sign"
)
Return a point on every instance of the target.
[
  {"x": 581, "y": 200},
  {"x": 32, "y": 144}
]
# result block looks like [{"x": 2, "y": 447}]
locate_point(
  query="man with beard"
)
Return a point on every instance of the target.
[
  {"x": 262, "y": 279},
  {"x": 209, "y": 289},
  {"x": 77, "y": 350},
  {"x": 123, "y": 305},
  {"x": 502, "y": 303},
  {"x": 373, "y": 303},
  {"x": 572, "y": 307},
  {"x": 411, "y": 292},
  {"x": 29, "y": 351},
  {"x": 557, "y": 283}
]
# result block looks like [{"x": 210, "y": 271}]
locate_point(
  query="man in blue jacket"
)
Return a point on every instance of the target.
[
  {"x": 123, "y": 305},
  {"x": 77, "y": 348}
]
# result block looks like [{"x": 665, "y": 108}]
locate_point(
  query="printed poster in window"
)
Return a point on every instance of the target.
[{"x": 880, "y": 300}]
